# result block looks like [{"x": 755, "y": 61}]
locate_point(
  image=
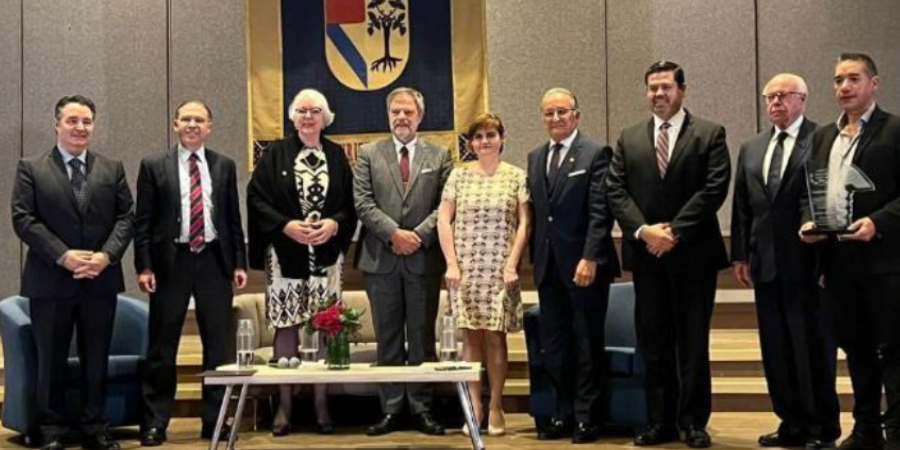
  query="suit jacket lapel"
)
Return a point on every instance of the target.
[
  {"x": 88, "y": 167},
  {"x": 390, "y": 159},
  {"x": 565, "y": 167},
  {"x": 173, "y": 180},
  {"x": 876, "y": 121},
  {"x": 687, "y": 130},
  {"x": 212, "y": 163},
  {"x": 539, "y": 174},
  {"x": 801, "y": 147},
  {"x": 758, "y": 160},
  {"x": 421, "y": 153},
  {"x": 62, "y": 177}
]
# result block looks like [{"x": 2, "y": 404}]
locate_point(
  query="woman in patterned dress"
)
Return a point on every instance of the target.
[
  {"x": 301, "y": 220},
  {"x": 483, "y": 224}
]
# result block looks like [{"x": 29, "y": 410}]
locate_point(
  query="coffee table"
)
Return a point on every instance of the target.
[{"x": 231, "y": 376}]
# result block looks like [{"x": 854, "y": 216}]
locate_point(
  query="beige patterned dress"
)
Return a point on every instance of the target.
[{"x": 483, "y": 233}]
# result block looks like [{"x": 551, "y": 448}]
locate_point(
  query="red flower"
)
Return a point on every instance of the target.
[{"x": 329, "y": 320}]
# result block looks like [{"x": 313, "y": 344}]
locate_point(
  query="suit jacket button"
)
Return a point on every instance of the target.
[
  {"x": 178, "y": 220},
  {"x": 550, "y": 219}
]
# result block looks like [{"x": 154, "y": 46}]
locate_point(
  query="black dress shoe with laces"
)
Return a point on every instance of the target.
[
  {"x": 389, "y": 424},
  {"x": 859, "y": 440},
  {"x": 426, "y": 424},
  {"x": 53, "y": 443},
  {"x": 153, "y": 437},
  {"x": 779, "y": 439},
  {"x": 655, "y": 435},
  {"x": 100, "y": 441},
  {"x": 557, "y": 429},
  {"x": 325, "y": 428},
  {"x": 585, "y": 433},
  {"x": 696, "y": 437}
]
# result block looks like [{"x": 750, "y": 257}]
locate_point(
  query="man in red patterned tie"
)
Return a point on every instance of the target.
[
  {"x": 189, "y": 243},
  {"x": 668, "y": 178}
]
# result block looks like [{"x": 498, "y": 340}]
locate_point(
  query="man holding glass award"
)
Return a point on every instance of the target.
[{"x": 853, "y": 212}]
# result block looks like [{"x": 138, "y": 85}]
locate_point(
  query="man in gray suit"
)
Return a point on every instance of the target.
[{"x": 397, "y": 191}]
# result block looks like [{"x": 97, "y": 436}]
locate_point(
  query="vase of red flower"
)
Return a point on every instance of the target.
[
  {"x": 338, "y": 355},
  {"x": 338, "y": 322}
]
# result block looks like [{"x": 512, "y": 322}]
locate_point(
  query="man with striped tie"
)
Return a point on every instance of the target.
[
  {"x": 669, "y": 176},
  {"x": 189, "y": 242}
]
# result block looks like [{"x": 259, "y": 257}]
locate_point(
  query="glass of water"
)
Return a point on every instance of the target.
[
  {"x": 309, "y": 346},
  {"x": 448, "y": 348},
  {"x": 245, "y": 343}
]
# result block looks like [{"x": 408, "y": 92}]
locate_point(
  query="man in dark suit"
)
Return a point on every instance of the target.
[
  {"x": 794, "y": 328},
  {"x": 668, "y": 178},
  {"x": 72, "y": 207},
  {"x": 397, "y": 191},
  {"x": 189, "y": 242},
  {"x": 862, "y": 270},
  {"x": 574, "y": 263}
]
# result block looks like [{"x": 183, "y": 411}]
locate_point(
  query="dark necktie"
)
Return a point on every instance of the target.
[
  {"x": 554, "y": 165},
  {"x": 404, "y": 165},
  {"x": 197, "y": 231},
  {"x": 79, "y": 185},
  {"x": 774, "y": 177},
  {"x": 662, "y": 149}
]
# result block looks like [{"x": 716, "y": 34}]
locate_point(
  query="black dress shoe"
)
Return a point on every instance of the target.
[
  {"x": 814, "y": 443},
  {"x": 100, "y": 441},
  {"x": 207, "y": 432},
  {"x": 153, "y": 437},
  {"x": 863, "y": 441},
  {"x": 281, "y": 429},
  {"x": 557, "y": 429},
  {"x": 585, "y": 433},
  {"x": 426, "y": 424},
  {"x": 325, "y": 428},
  {"x": 389, "y": 424},
  {"x": 779, "y": 439},
  {"x": 53, "y": 443},
  {"x": 697, "y": 438},
  {"x": 655, "y": 435}
]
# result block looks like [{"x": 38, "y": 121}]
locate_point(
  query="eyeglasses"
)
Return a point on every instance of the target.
[
  {"x": 563, "y": 113},
  {"x": 772, "y": 97},
  {"x": 312, "y": 111}
]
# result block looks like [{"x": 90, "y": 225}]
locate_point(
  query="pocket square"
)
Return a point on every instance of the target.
[
  {"x": 427, "y": 170},
  {"x": 577, "y": 172}
]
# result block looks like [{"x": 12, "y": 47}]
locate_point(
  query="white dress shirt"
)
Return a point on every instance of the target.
[
  {"x": 566, "y": 145},
  {"x": 675, "y": 124},
  {"x": 184, "y": 178},
  {"x": 843, "y": 149},
  {"x": 410, "y": 147},
  {"x": 792, "y": 130}
]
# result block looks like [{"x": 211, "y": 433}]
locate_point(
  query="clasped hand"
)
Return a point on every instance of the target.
[
  {"x": 659, "y": 238},
  {"x": 311, "y": 232},
  {"x": 85, "y": 264},
  {"x": 405, "y": 242}
]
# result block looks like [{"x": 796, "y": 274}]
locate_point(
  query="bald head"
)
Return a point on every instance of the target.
[{"x": 785, "y": 97}]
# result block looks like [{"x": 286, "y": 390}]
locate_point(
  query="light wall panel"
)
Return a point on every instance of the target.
[{"x": 10, "y": 137}]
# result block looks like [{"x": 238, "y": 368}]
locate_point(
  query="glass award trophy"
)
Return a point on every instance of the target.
[{"x": 831, "y": 200}]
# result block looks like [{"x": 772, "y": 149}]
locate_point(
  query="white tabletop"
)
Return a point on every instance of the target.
[{"x": 319, "y": 373}]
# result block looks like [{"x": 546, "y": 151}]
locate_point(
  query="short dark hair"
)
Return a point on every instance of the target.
[
  {"x": 79, "y": 99},
  {"x": 863, "y": 58},
  {"x": 486, "y": 121},
  {"x": 666, "y": 66},
  {"x": 199, "y": 102}
]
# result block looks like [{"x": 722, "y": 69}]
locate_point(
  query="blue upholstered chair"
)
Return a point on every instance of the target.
[
  {"x": 127, "y": 352},
  {"x": 624, "y": 401}
]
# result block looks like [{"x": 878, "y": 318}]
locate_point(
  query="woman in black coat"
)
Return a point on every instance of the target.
[{"x": 301, "y": 220}]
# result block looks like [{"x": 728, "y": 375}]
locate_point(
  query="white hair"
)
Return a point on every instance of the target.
[
  {"x": 561, "y": 91},
  {"x": 318, "y": 99},
  {"x": 796, "y": 79}
]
